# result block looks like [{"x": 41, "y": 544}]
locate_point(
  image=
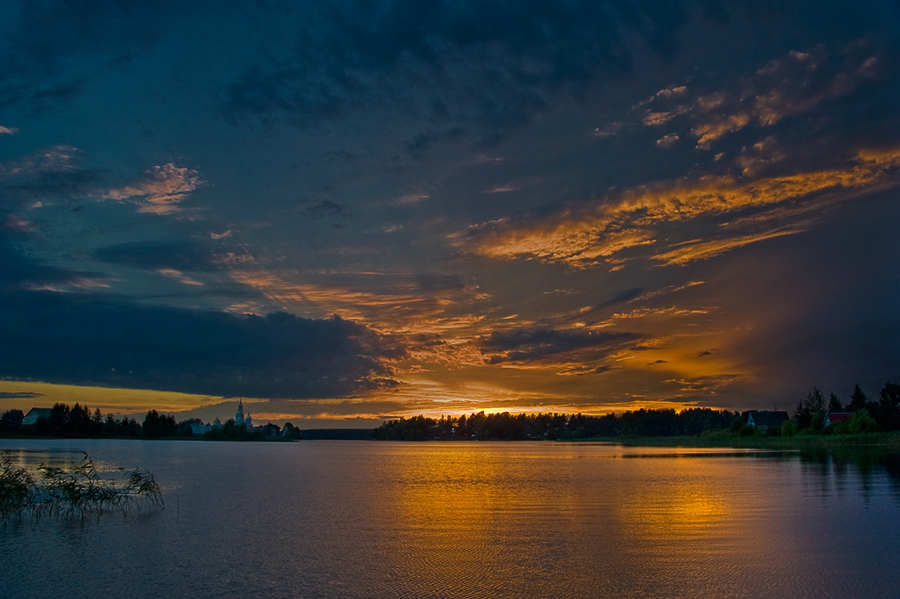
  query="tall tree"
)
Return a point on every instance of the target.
[
  {"x": 858, "y": 399},
  {"x": 834, "y": 404},
  {"x": 811, "y": 411},
  {"x": 889, "y": 407}
]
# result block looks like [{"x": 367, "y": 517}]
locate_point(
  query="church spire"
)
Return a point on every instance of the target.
[{"x": 239, "y": 415}]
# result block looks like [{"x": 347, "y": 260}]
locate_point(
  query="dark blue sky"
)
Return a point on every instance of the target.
[{"x": 365, "y": 209}]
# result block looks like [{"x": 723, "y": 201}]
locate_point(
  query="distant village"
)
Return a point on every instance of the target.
[
  {"x": 269, "y": 430},
  {"x": 80, "y": 421}
]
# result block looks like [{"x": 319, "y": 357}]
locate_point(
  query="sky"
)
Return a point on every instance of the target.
[{"x": 348, "y": 211}]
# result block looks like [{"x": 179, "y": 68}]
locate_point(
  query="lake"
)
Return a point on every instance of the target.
[{"x": 468, "y": 519}]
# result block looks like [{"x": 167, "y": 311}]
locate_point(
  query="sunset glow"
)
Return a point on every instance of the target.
[{"x": 347, "y": 213}]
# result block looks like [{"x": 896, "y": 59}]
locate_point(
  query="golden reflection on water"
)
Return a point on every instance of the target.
[
  {"x": 686, "y": 503},
  {"x": 480, "y": 513},
  {"x": 463, "y": 520},
  {"x": 457, "y": 507}
]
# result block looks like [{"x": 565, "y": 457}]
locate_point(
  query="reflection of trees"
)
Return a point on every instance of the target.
[{"x": 842, "y": 465}]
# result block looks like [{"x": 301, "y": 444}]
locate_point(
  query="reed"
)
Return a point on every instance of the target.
[{"x": 78, "y": 491}]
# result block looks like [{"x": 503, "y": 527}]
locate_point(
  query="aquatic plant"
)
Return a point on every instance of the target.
[
  {"x": 79, "y": 491},
  {"x": 16, "y": 488}
]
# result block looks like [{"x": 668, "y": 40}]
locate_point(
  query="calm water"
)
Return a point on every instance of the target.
[{"x": 371, "y": 519}]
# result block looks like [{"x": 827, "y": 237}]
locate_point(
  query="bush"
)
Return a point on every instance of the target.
[
  {"x": 789, "y": 428},
  {"x": 859, "y": 422}
]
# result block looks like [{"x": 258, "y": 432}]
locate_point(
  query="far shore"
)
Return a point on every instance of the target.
[
  {"x": 889, "y": 441},
  {"x": 729, "y": 440}
]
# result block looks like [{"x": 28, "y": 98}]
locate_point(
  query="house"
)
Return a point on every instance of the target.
[
  {"x": 837, "y": 417},
  {"x": 198, "y": 428},
  {"x": 767, "y": 420},
  {"x": 34, "y": 414}
]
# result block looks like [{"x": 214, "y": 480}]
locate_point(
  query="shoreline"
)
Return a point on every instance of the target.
[
  {"x": 715, "y": 440},
  {"x": 889, "y": 440}
]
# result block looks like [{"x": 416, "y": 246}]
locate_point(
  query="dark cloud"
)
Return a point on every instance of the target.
[
  {"x": 56, "y": 186},
  {"x": 153, "y": 255},
  {"x": 18, "y": 271},
  {"x": 423, "y": 142},
  {"x": 540, "y": 343},
  {"x": 23, "y": 395},
  {"x": 620, "y": 298},
  {"x": 86, "y": 340},
  {"x": 490, "y": 63},
  {"x": 328, "y": 209},
  {"x": 584, "y": 370},
  {"x": 14, "y": 268},
  {"x": 54, "y": 174},
  {"x": 428, "y": 284},
  {"x": 44, "y": 38},
  {"x": 710, "y": 383}
]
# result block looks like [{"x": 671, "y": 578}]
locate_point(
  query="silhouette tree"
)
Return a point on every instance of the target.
[
  {"x": 12, "y": 420},
  {"x": 888, "y": 415},
  {"x": 834, "y": 404},
  {"x": 96, "y": 423},
  {"x": 111, "y": 426},
  {"x": 158, "y": 425},
  {"x": 810, "y": 413},
  {"x": 858, "y": 400}
]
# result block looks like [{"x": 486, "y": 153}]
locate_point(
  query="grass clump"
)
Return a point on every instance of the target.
[{"x": 78, "y": 491}]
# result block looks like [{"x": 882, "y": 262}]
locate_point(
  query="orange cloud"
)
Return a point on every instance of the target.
[
  {"x": 787, "y": 86},
  {"x": 160, "y": 190},
  {"x": 395, "y": 303},
  {"x": 718, "y": 126},
  {"x": 668, "y": 312},
  {"x": 178, "y": 276},
  {"x": 587, "y": 238},
  {"x": 667, "y": 141},
  {"x": 689, "y": 252}
]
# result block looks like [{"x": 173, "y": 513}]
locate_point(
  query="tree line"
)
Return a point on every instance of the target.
[
  {"x": 80, "y": 421},
  {"x": 506, "y": 426},
  {"x": 808, "y": 418},
  {"x": 868, "y": 415}
]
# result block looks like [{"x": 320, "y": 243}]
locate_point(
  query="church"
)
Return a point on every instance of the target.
[
  {"x": 198, "y": 428},
  {"x": 239, "y": 417}
]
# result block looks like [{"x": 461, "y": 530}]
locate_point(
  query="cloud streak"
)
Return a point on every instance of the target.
[
  {"x": 545, "y": 344},
  {"x": 591, "y": 237}
]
